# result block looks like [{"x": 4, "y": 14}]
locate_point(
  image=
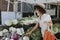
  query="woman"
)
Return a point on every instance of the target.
[{"x": 44, "y": 19}]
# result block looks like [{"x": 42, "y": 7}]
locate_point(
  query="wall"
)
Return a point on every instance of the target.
[{"x": 3, "y": 5}]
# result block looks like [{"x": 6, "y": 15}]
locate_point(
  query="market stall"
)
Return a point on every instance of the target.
[
  {"x": 17, "y": 28},
  {"x": 16, "y": 24}
]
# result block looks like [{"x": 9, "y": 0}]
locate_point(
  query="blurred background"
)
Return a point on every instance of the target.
[
  {"x": 18, "y": 9},
  {"x": 25, "y": 8}
]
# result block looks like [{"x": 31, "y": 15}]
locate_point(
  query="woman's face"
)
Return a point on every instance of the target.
[{"x": 38, "y": 12}]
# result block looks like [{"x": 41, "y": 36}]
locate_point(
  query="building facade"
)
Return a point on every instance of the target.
[
  {"x": 4, "y": 4},
  {"x": 27, "y": 7}
]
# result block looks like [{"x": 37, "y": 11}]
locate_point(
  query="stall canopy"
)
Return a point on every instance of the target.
[{"x": 54, "y": 2}]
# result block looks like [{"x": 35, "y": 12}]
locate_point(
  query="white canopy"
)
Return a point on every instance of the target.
[{"x": 54, "y": 2}]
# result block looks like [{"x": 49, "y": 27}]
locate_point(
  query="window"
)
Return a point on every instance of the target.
[
  {"x": 48, "y": 6},
  {"x": 19, "y": 6},
  {"x": 27, "y": 9},
  {"x": 11, "y": 7}
]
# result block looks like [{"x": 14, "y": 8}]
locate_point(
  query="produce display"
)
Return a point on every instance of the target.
[{"x": 13, "y": 33}]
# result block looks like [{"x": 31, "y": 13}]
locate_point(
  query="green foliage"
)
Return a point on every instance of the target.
[
  {"x": 36, "y": 35},
  {"x": 56, "y": 26},
  {"x": 56, "y": 20}
]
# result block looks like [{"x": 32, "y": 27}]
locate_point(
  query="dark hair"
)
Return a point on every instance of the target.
[{"x": 39, "y": 8}]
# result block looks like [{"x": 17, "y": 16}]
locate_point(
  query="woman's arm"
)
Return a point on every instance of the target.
[
  {"x": 49, "y": 23},
  {"x": 33, "y": 29},
  {"x": 49, "y": 20}
]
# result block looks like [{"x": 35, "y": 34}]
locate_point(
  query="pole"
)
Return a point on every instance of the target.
[
  {"x": 46, "y": 4},
  {"x": 34, "y": 11},
  {"x": 57, "y": 10},
  {"x": 8, "y": 5},
  {"x": 15, "y": 8},
  {"x": 21, "y": 7}
]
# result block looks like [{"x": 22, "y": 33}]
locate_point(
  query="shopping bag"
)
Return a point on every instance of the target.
[{"x": 48, "y": 35}]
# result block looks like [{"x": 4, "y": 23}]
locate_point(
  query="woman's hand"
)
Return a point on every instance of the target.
[
  {"x": 28, "y": 33},
  {"x": 33, "y": 29},
  {"x": 48, "y": 23}
]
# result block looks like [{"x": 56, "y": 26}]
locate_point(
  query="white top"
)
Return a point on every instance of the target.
[
  {"x": 42, "y": 20},
  {"x": 45, "y": 17}
]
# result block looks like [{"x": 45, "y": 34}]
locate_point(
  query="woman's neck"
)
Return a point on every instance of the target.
[{"x": 41, "y": 14}]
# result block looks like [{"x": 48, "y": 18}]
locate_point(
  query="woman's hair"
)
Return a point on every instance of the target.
[{"x": 40, "y": 9}]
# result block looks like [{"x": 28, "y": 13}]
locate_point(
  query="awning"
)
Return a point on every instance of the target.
[{"x": 54, "y": 2}]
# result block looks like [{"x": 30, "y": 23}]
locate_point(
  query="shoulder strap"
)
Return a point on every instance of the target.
[{"x": 50, "y": 28}]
